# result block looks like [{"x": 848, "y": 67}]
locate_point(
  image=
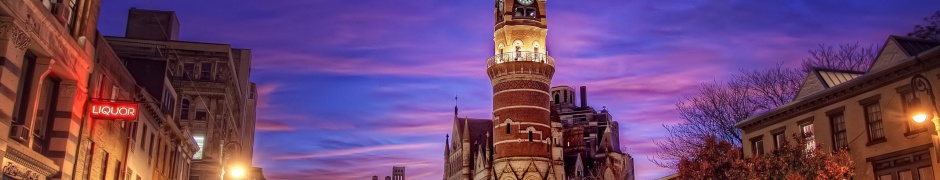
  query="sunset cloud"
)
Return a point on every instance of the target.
[
  {"x": 345, "y": 152},
  {"x": 370, "y": 84}
]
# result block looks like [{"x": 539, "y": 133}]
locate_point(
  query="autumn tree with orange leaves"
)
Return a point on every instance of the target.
[{"x": 717, "y": 159}]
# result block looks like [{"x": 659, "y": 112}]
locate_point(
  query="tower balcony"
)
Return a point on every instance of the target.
[
  {"x": 520, "y": 65},
  {"x": 520, "y": 56}
]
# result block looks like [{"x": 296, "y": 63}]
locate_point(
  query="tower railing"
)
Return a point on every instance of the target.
[{"x": 517, "y": 56}]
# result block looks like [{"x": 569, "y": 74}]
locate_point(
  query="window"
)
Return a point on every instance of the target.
[
  {"x": 184, "y": 109},
  {"x": 91, "y": 155},
  {"x": 104, "y": 165},
  {"x": 201, "y": 114},
  {"x": 530, "y": 136},
  {"x": 188, "y": 70},
  {"x": 23, "y": 88},
  {"x": 757, "y": 146},
  {"x": 556, "y": 99},
  {"x": 874, "y": 123},
  {"x": 45, "y": 114},
  {"x": 525, "y": 12},
  {"x": 925, "y": 173},
  {"x": 912, "y": 127},
  {"x": 839, "y": 137},
  {"x": 508, "y": 128},
  {"x": 117, "y": 171},
  {"x": 143, "y": 136},
  {"x": 205, "y": 71},
  {"x": 779, "y": 139},
  {"x": 807, "y": 131},
  {"x": 168, "y": 101}
]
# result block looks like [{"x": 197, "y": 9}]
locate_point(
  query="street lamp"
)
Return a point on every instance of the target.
[
  {"x": 919, "y": 113},
  {"x": 236, "y": 172}
]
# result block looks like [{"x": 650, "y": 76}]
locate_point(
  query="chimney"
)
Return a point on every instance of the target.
[{"x": 584, "y": 96}]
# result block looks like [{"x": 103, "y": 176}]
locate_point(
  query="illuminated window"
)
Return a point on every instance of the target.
[
  {"x": 200, "y": 141},
  {"x": 807, "y": 131}
]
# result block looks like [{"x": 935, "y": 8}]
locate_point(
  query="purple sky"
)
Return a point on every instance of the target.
[{"x": 351, "y": 88}]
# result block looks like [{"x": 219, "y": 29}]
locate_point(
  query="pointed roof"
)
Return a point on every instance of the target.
[
  {"x": 820, "y": 79},
  {"x": 914, "y": 46},
  {"x": 897, "y": 48}
]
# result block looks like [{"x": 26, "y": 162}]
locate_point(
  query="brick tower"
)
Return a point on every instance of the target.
[{"x": 521, "y": 73}]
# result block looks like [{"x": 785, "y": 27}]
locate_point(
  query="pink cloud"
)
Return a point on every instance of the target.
[
  {"x": 272, "y": 126},
  {"x": 345, "y": 152}
]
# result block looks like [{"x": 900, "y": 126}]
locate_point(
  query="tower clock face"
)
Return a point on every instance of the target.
[{"x": 525, "y": 2}]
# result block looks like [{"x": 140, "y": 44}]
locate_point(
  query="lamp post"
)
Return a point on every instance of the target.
[
  {"x": 236, "y": 171},
  {"x": 919, "y": 113}
]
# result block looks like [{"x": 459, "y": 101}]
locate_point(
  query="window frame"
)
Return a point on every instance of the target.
[
  {"x": 778, "y": 137},
  {"x": 206, "y": 74},
  {"x": 757, "y": 145},
  {"x": 809, "y": 137},
  {"x": 21, "y": 103},
  {"x": 870, "y": 119}
]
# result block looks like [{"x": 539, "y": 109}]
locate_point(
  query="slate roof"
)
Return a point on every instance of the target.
[
  {"x": 478, "y": 129},
  {"x": 914, "y": 46}
]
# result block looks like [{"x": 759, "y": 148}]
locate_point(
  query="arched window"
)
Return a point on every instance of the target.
[
  {"x": 530, "y": 136},
  {"x": 184, "y": 109},
  {"x": 556, "y": 99},
  {"x": 535, "y": 47},
  {"x": 507, "y": 127}
]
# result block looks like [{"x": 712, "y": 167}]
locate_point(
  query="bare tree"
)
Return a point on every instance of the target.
[
  {"x": 930, "y": 30},
  {"x": 848, "y": 57},
  {"x": 770, "y": 88},
  {"x": 711, "y": 112}
]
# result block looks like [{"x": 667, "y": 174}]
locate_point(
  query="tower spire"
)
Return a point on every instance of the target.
[{"x": 455, "y": 106}]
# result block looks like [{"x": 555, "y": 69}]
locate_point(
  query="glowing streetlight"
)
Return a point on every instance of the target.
[
  {"x": 919, "y": 111},
  {"x": 237, "y": 172}
]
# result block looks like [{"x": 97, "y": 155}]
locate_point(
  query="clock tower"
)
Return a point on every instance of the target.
[{"x": 520, "y": 71}]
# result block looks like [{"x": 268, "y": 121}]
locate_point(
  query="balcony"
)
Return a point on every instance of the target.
[{"x": 516, "y": 56}]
